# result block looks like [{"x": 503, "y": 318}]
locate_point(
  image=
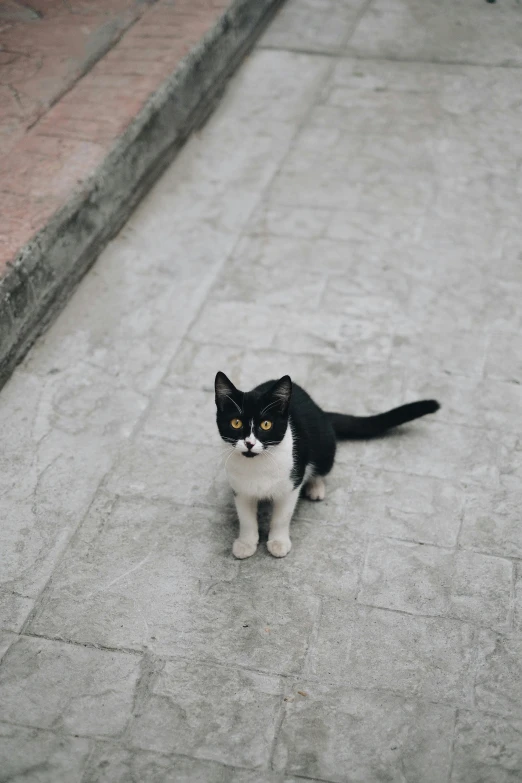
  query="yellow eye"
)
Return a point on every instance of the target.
[
  {"x": 236, "y": 424},
  {"x": 266, "y": 425}
]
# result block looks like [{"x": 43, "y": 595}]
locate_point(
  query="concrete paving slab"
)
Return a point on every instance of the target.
[
  {"x": 313, "y": 25},
  {"x": 400, "y": 29},
  {"x": 423, "y": 656},
  {"x": 420, "y": 579},
  {"x": 174, "y": 716},
  {"x": 497, "y": 679},
  {"x": 490, "y": 523},
  {"x": 65, "y": 424},
  {"x": 329, "y": 730},
  {"x": 43, "y": 756},
  {"x": 78, "y": 690},
  {"x": 486, "y": 748}
]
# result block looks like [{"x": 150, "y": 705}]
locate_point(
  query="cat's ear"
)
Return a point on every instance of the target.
[
  {"x": 225, "y": 390},
  {"x": 281, "y": 391}
]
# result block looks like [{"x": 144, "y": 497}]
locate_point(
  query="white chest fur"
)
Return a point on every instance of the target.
[{"x": 265, "y": 476}]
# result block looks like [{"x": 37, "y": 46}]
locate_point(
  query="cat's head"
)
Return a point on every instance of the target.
[{"x": 252, "y": 421}]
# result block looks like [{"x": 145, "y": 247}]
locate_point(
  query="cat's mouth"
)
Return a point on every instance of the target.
[{"x": 248, "y": 454}]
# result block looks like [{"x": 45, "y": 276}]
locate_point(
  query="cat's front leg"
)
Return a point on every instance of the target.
[
  {"x": 246, "y": 544},
  {"x": 279, "y": 543}
]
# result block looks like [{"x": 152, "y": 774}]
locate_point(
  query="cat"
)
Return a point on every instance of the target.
[{"x": 281, "y": 442}]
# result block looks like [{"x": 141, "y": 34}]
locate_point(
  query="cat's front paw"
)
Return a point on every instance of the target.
[
  {"x": 242, "y": 549},
  {"x": 279, "y": 547}
]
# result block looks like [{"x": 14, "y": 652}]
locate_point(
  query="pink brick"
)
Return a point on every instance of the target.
[
  {"x": 20, "y": 218},
  {"x": 51, "y": 52},
  {"x": 51, "y": 177},
  {"x": 158, "y": 44},
  {"x": 110, "y": 89},
  {"x": 98, "y": 131},
  {"x": 159, "y": 30},
  {"x": 42, "y": 167},
  {"x": 10, "y": 245},
  {"x": 73, "y": 109},
  {"x": 143, "y": 55},
  {"x": 129, "y": 69}
]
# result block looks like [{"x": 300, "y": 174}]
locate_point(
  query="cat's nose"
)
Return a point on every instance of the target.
[{"x": 249, "y": 445}]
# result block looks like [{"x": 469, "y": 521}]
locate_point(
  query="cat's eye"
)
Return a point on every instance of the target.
[
  {"x": 236, "y": 424},
  {"x": 266, "y": 425}
]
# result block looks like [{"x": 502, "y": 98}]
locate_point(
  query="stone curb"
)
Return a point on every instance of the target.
[{"x": 47, "y": 269}]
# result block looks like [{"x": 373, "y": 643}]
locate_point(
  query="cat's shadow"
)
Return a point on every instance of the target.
[{"x": 264, "y": 515}]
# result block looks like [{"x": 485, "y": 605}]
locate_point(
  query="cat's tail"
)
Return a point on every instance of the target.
[{"x": 355, "y": 427}]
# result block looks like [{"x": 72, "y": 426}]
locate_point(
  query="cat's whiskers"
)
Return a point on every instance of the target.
[
  {"x": 270, "y": 457},
  {"x": 225, "y": 454},
  {"x": 226, "y": 462}
]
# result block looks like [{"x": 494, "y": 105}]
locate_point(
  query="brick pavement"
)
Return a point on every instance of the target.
[
  {"x": 55, "y": 127},
  {"x": 350, "y": 215}
]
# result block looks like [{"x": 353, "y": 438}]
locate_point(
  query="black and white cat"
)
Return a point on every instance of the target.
[{"x": 280, "y": 442}]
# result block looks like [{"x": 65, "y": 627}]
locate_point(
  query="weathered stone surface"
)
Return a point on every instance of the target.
[
  {"x": 448, "y": 452},
  {"x": 14, "y": 610},
  {"x": 498, "y": 680},
  {"x": 181, "y": 415},
  {"x": 35, "y": 756},
  {"x": 81, "y": 690},
  {"x": 114, "y": 764},
  {"x": 470, "y": 401},
  {"x": 416, "y": 656},
  {"x": 431, "y": 31},
  {"x": 487, "y": 747},
  {"x": 331, "y": 556},
  {"x": 132, "y": 564},
  {"x": 288, "y": 221},
  {"x": 61, "y": 433},
  {"x": 342, "y": 735},
  {"x": 383, "y": 502},
  {"x": 428, "y": 580},
  {"x": 314, "y": 25},
  {"x": 220, "y": 714},
  {"x": 245, "y": 622},
  {"x": 518, "y": 596},
  {"x": 264, "y": 268},
  {"x": 154, "y": 468},
  {"x": 337, "y": 385},
  {"x": 503, "y": 357},
  {"x": 6, "y": 640},
  {"x": 196, "y": 364},
  {"x": 492, "y": 522},
  {"x": 511, "y": 469},
  {"x": 165, "y": 578}
]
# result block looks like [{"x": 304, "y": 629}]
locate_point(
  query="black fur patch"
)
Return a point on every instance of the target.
[{"x": 315, "y": 432}]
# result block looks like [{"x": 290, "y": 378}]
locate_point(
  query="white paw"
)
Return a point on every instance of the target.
[
  {"x": 279, "y": 547},
  {"x": 242, "y": 549},
  {"x": 315, "y": 489}
]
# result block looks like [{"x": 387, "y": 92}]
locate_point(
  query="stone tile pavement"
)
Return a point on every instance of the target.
[{"x": 351, "y": 215}]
